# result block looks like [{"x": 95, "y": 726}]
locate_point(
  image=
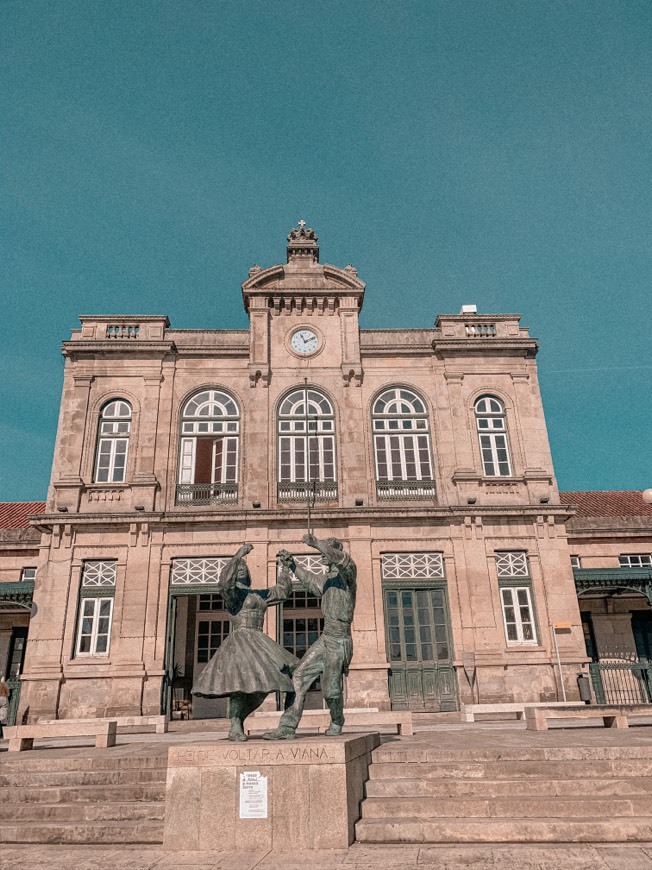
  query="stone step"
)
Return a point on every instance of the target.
[
  {"x": 34, "y": 762},
  {"x": 418, "y": 753},
  {"x": 507, "y": 809},
  {"x": 528, "y": 769},
  {"x": 570, "y": 788},
  {"x": 145, "y": 832},
  {"x": 87, "y": 793},
  {"x": 549, "y": 830},
  {"x": 74, "y": 813},
  {"x": 25, "y": 779}
]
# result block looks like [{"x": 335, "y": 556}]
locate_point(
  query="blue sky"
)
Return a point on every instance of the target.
[{"x": 495, "y": 153}]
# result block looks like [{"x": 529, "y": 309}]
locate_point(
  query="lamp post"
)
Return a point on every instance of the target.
[{"x": 647, "y": 496}]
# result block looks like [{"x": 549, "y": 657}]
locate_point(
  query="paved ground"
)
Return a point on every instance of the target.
[{"x": 531, "y": 857}]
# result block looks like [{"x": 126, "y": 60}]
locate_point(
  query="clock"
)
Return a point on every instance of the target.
[{"x": 304, "y": 341}]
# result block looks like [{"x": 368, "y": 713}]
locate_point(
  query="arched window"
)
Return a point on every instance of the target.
[
  {"x": 306, "y": 439},
  {"x": 492, "y": 432},
  {"x": 208, "y": 464},
  {"x": 113, "y": 442},
  {"x": 402, "y": 445}
]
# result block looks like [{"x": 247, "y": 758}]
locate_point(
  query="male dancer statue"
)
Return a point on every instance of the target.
[{"x": 330, "y": 655}]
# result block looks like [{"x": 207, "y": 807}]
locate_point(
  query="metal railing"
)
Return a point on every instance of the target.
[
  {"x": 14, "y": 699},
  {"x": 405, "y": 489},
  {"x": 196, "y": 494},
  {"x": 621, "y": 678},
  {"x": 322, "y": 490}
]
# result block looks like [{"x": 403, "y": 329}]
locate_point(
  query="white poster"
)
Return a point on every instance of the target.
[{"x": 253, "y": 795}]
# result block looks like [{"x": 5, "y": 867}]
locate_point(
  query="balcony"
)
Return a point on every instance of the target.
[
  {"x": 320, "y": 490},
  {"x": 199, "y": 494},
  {"x": 402, "y": 490}
]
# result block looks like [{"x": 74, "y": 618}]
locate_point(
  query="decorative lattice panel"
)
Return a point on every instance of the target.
[
  {"x": 413, "y": 566},
  {"x": 190, "y": 572},
  {"x": 512, "y": 565},
  {"x": 311, "y": 563},
  {"x": 99, "y": 573}
]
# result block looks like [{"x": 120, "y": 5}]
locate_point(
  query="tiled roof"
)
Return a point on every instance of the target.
[
  {"x": 608, "y": 503},
  {"x": 14, "y": 514}
]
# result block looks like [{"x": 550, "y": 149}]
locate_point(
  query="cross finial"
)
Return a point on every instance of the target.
[{"x": 302, "y": 224}]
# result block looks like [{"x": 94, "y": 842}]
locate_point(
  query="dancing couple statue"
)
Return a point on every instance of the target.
[{"x": 249, "y": 664}]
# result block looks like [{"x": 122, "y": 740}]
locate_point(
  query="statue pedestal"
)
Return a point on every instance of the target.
[{"x": 282, "y": 795}]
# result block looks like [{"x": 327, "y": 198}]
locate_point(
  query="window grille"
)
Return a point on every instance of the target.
[
  {"x": 99, "y": 572},
  {"x": 188, "y": 572},
  {"x": 312, "y": 563},
  {"x": 512, "y": 564},
  {"x": 413, "y": 566}
]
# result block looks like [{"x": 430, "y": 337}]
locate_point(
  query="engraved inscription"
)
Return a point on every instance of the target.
[{"x": 261, "y": 755}]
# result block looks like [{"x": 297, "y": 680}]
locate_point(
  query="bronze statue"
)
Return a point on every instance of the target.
[
  {"x": 249, "y": 664},
  {"x": 330, "y": 656}
]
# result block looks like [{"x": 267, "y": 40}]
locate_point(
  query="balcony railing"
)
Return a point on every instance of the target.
[
  {"x": 196, "y": 494},
  {"x": 122, "y": 330},
  {"x": 480, "y": 330},
  {"x": 405, "y": 489},
  {"x": 324, "y": 490}
]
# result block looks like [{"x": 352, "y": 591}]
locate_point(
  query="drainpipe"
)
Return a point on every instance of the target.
[{"x": 561, "y": 675}]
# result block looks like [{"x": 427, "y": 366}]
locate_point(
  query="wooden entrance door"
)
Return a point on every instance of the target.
[{"x": 421, "y": 677}]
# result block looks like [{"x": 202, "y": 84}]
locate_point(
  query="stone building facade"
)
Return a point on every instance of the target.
[
  {"x": 425, "y": 450},
  {"x": 610, "y": 539}
]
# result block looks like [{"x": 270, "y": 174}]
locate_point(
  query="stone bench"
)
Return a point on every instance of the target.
[
  {"x": 468, "y": 712},
  {"x": 321, "y": 719},
  {"x": 21, "y": 737},
  {"x": 160, "y": 723},
  {"x": 612, "y": 715}
]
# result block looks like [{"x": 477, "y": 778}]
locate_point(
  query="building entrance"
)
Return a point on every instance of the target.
[
  {"x": 421, "y": 676},
  {"x": 198, "y": 624}
]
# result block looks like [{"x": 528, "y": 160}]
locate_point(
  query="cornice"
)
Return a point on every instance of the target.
[
  {"x": 297, "y": 516},
  {"x": 527, "y": 347},
  {"x": 139, "y": 347}
]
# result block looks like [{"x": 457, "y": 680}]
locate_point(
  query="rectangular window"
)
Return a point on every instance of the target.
[
  {"x": 28, "y": 574},
  {"x": 303, "y": 459},
  {"x": 211, "y": 634},
  {"x": 576, "y": 562},
  {"x": 96, "y": 607},
  {"x": 404, "y": 457},
  {"x": 517, "y": 613},
  {"x": 111, "y": 460},
  {"x": 94, "y": 630},
  {"x": 635, "y": 560},
  {"x": 495, "y": 456},
  {"x": 516, "y": 597}
]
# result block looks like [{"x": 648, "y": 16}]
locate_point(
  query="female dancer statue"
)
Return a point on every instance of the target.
[{"x": 249, "y": 664}]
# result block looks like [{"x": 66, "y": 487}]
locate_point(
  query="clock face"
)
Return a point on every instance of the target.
[{"x": 304, "y": 341}]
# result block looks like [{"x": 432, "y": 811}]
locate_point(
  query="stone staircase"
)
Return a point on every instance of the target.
[
  {"x": 572, "y": 794},
  {"x": 83, "y": 797}
]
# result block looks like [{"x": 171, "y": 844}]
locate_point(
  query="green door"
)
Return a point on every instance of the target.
[{"x": 417, "y": 631}]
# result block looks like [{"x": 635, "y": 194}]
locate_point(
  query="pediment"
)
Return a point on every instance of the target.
[{"x": 290, "y": 278}]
